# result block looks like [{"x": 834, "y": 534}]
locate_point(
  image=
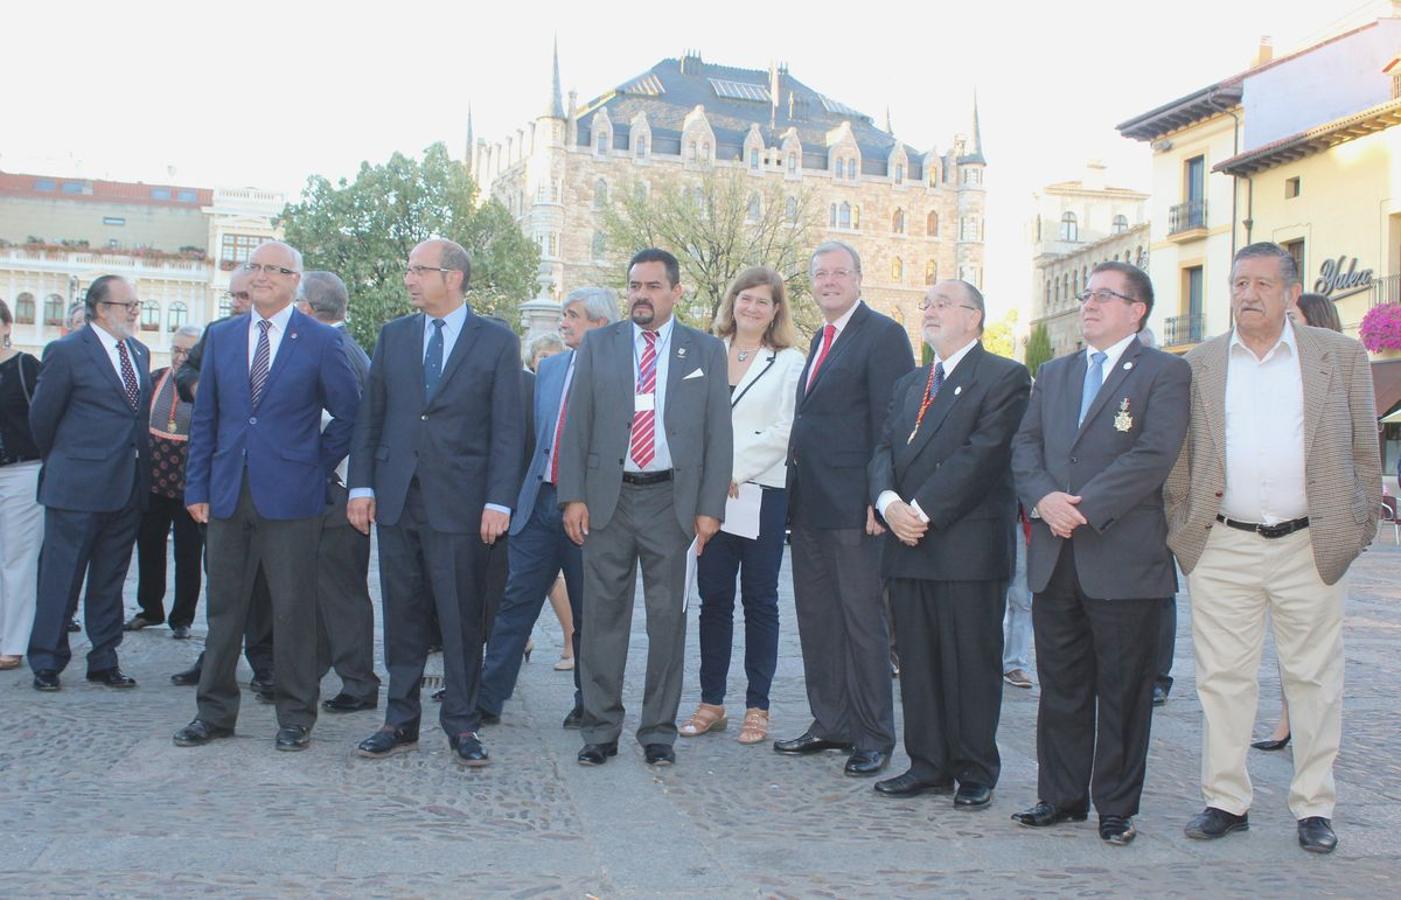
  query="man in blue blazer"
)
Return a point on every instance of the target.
[
  {"x": 436, "y": 463},
  {"x": 88, "y": 416},
  {"x": 258, "y": 471},
  {"x": 539, "y": 548}
]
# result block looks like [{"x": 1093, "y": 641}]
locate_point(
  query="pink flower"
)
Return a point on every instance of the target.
[{"x": 1381, "y": 328}]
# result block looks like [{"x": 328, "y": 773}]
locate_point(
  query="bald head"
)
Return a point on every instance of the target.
[{"x": 276, "y": 271}]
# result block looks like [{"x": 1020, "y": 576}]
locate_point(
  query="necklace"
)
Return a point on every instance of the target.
[{"x": 745, "y": 354}]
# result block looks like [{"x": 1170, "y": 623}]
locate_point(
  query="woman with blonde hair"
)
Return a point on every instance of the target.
[{"x": 764, "y": 369}]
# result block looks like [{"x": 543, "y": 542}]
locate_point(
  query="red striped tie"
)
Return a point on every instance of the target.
[
  {"x": 559, "y": 436},
  {"x": 642, "y": 448}
]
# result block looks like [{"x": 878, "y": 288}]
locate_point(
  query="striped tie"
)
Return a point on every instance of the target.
[
  {"x": 133, "y": 389},
  {"x": 643, "y": 445},
  {"x": 258, "y": 372}
]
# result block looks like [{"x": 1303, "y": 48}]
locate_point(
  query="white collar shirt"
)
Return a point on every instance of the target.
[
  {"x": 1265, "y": 480},
  {"x": 1111, "y": 355},
  {"x": 109, "y": 344},
  {"x": 276, "y": 332}
]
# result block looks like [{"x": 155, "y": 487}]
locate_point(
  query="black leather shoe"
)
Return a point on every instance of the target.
[
  {"x": 575, "y": 719},
  {"x": 1160, "y": 695},
  {"x": 864, "y": 763},
  {"x": 1268, "y": 744},
  {"x": 1316, "y": 835},
  {"x": 807, "y": 742},
  {"x": 200, "y": 732},
  {"x": 344, "y": 703},
  {"x": 293, "y": 737},
  {"x": 386, "y": 742},
  {"x": 138, "y": 622},
  {"x": 468, "y": 750},
  {"x": 180, "y": 632},
  {"x": 187, "y": 678},
  {"x": 1212, "y": 823},
  {"x": 972, "y": 795},
  {"x": 1044, "y": 814},
  {"x": 597, "y": 754},
  {"x": 46, "y": 680},
  {"x": 112, "y": 678},
  {"x": 1117, "y": 830},
  {"x": 911, "y": 785},
  {"x": 488, "y": 718},
  {"x": 659, "y": 755}
]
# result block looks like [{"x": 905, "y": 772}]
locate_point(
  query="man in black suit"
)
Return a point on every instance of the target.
[
  {"x": 1101, "y": 434},
  {"x": 345, "y": 613},
  {"x": 843, "y": 398},
  {"x": 942, "y": 480},
  {"x": 435, "y": 462},
  {"x": 88, "y": 416}
]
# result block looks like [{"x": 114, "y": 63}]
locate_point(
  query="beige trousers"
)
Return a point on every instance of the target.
[{"x": 1239, "y": 578}]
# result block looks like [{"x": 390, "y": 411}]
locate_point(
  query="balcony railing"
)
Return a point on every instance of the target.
[
  {"x": 1180, "y": 330},
  {"x": 1386, "y": 290},
  {"x": 1187, "y": 217}
]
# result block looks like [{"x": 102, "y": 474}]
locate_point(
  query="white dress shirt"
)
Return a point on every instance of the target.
[
  {"x": 840, "y": 326},
  {"x": 1111, "y": 355},
  {"x": 1265, "y": 480},
  {"x": 888, "y": 497},
  {"x": 275, "y": 334},
  {"x": 109, "y": 343},
  {"x": 661, "y": 452}
]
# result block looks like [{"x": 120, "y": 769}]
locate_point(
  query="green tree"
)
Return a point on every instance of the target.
[
  {"x": 1000, "y": 336},
  {"x": 363, "y": 231},
  {"x": 717, "y": 224},
  {"x": 1038, "y": 348}
]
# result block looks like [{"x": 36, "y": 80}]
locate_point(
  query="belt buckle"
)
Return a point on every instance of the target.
[{"x": 1277, "y": 530}]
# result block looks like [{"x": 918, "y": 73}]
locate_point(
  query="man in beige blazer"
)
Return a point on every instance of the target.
[{"x": 1287, "y": 412}]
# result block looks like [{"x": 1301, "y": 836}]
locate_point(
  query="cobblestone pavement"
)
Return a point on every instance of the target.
[{"x": 97, "y": 801}]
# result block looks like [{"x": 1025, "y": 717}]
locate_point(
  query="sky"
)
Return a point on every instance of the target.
[{"x": 174, "y": 92}]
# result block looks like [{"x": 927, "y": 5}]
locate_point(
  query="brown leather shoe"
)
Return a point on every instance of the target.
[{"x": 756, "y": 726}]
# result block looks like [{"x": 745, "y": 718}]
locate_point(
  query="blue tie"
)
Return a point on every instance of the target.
[
  {"x": 938, "y": 380},
  {"x": 433, "y": 359},
  {"x": 1094, "y": 379}
]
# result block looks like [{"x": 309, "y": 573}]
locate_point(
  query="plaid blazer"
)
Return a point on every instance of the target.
[{"x": 1341, "y": 464}]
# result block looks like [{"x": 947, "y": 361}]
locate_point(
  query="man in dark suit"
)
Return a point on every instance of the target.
[
  {"x": 258, "y": 471},
  {"x": 435, "y": 463},
  {"x": 1100, "y": 436},
  {"x": 88, "y": 416},
  {"x": 942, "y": 481},
  {"x": 539, "y": 548},
  {"x": 644, "y": 471},
  {"x": 843, "y": 398},
  {"x": 257, "y": 637},
  {"x": 345, "y": 614}
]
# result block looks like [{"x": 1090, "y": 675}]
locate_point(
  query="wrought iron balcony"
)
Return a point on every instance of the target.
[
  {"x": 1187, "y": 217},
  {"x": 1180, "y": 330},
  {"x": 1386, "y": 290}
]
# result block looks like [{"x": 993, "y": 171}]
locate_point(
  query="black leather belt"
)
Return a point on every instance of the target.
[
  {"x": 1267, "y": 531},
  {"x": 646, "y": 477}
]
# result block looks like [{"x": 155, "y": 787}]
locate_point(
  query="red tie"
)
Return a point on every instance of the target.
[
  {"x": 829, "y": 334},
  {"x": 559, "y": 435},
  {"x": 642, "y": 445}
]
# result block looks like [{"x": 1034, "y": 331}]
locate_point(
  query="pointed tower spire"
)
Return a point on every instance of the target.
[
  {"x": 471, "y": 143},
  {"x": 889, "y": 129},
  {"x": 976, "y": 156},
  {"x": 555, "y": 108}
]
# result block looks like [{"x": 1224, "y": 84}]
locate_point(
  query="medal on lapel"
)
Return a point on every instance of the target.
[{"x": 1122, "y": 420}]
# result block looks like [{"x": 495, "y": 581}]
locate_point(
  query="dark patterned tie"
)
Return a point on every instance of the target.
[
  {"x": 258, "y": 372},
  {"x": 433, "y": 359},
  {"x": 133, "y": 388}
]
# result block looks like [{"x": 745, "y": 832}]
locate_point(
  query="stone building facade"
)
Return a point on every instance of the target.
[{"x": 915, "y": 216}]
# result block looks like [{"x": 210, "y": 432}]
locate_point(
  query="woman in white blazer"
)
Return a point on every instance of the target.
[{"x": 764, "y": 368}]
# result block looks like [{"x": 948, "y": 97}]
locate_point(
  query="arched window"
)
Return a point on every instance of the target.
[
  {"x": 705, "y": 151},
  {"x": 150, "y": 316},
  {"x": 897, "y": 269},
  {"x": 641, "y": 144},
  {"x": 1069, "y": 228},
  {"x": 851, "y": 169},
  {"x": 791, "y": 209},
  {"x": 792, "y": 162},
  {"x": 841, "y": 168},
  {"x": 24, "y": 309},
  {"x": 691, "y": 150},
  {"x": 176, "y": 315},
  {"x": 897, "y": 222},
  {"x": 754, "y": 158},
  {"x": 931, "y": 272},
  {"x": 1048, "y": 293},
  {"x": 899, "y": 173},
  {"x": 53, "y": 311},
  {"x": 553, "y": 249},
  {"x": 931, "y": 225},
  {"x": 600, "y": 194},
  {"x": 934, "y": 174},
  {"x": 752, "y": 214},
  {"x": 844, "y": 215},
  {"x": 1121, "y": 224},
  {"x": 600, "y": 245}
]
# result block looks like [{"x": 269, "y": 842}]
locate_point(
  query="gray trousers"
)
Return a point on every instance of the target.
[
  {"x": 643, "y": 528},
  {"x": 234, "y": 548},
  {"x": 845, "y": 636},
  {"x": 345, "y": 612}
]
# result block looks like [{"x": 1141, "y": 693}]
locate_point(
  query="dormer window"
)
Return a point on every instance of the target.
[
  {"x": 601, "y": 143},
  {"x": 899, "y": 173},
  {"x": 754, "y": 158},
  {"x": 851, "y": 169},
  {"x": 640, "y": 143},
  {"x": 792, "y": 162}
]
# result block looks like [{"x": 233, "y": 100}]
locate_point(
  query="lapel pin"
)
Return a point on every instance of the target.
[
  {"x": 681, "y": 351},
  {"x": 958, "y": 390},
  {"x": 1127, "y": 366},
  {"x": 293, "y": 335}
]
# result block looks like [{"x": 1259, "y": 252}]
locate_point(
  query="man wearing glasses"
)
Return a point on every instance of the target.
[
  {"x": 88, "y": 416},
  {"x": 258, "y": 471},
  {"x": 1100, "y": 436}
]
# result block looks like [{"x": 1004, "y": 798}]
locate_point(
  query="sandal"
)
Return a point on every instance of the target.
[
  {"x": 707, "y": 717},
  {"x": 755, "y": 727},
  {"x": 10, "y": 662}
]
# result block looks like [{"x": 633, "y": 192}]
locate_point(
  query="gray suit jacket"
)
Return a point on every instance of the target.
[
  {"x": 1117, "y": 467},
  {"x": 696, "y": 418},
  {"x": 1341, "y": 462}
]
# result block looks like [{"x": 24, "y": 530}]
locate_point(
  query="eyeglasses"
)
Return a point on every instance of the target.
[
  {"x": 271, "y": 270},
  {"x": 839, "y": 274},
  {"x": 240, "y": 295},
  {"x": 417, "y": 271},
  {"x": 1104, "y": 295},
  {"x": 133, "y": 306},
  {"x": 942, "y": 305}
]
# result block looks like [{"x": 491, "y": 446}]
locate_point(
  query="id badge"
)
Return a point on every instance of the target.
[{"x": 644, "y": 402}]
